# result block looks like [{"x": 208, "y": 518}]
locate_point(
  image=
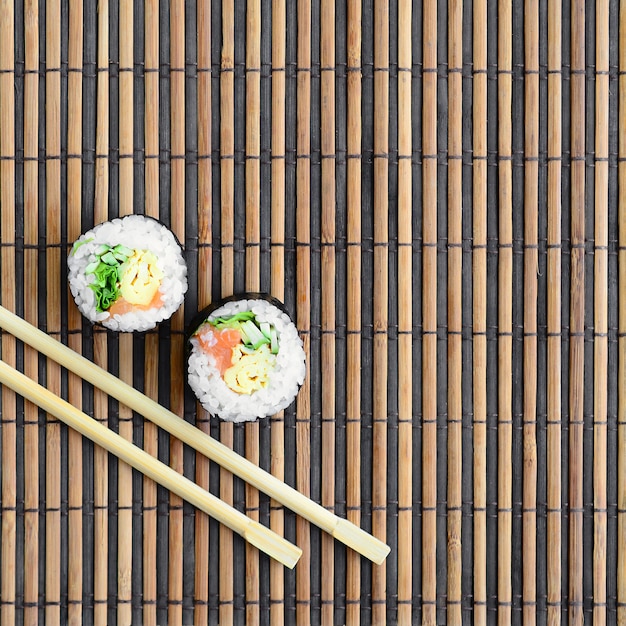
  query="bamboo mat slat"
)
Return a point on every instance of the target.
[
  {"x": 303, "y": 311},
  {"x": 380, "y": 270},
  {"x": 600, "y": 299},
  {"x": 328, "y": 296},
  {"x": 201, "y": 573},
  {"x": 8, "y": 546},
  {"x": 505, "y": 312},
  {"x": 123, "y": 172},
  {"x": 53, "y": 307},
  {"x": 75, "y": 391},
  {"x": 31, "y": 308},
  {"x": 405, "y": 315},
  {"x": 227, "y": 236},
  {"x": 436, "y": 192},
  {"x": 100, "y": 348},
  {"x": 353, "y": 301},
  {"x": 479, "y": 310},
  {"x": 554, "y": 326},
  {"x": 177, "y": 202},
  {"x": 531, "y": 270},
  {"x": 430, "y": 374},
  {"x": 577, "y": 316},
  {"x": 454, "y": 310},
  {"x": 621, "y": 387},
  {"x": 252, "y": 268},
  {"x": 277, "y": 280},
  {"x": 151, "y": 377}
]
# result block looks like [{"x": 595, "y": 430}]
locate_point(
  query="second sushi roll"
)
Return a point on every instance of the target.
[
  {"x": 128, "y": 274},
  {"x": 246, "y": 359}
]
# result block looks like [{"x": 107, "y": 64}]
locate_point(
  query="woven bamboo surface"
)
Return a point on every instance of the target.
[{"x": 437, "y": 191}]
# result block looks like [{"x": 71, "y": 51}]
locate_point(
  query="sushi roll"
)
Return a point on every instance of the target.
[
  {"x": 245, "y": 358},
  {"x": 128, "y": 274}
]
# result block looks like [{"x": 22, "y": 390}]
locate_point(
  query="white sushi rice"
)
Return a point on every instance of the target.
[
  {"x": 285, "y": 378},
  {"x": 134, "y": 232}
]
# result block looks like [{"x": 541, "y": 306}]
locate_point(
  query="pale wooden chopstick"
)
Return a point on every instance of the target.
[
  {"x": 341, "y": 529},
  {"x": 258, "y": 535}
]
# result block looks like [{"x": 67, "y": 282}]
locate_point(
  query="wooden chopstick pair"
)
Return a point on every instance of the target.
[{"x": 257, "y": 534}]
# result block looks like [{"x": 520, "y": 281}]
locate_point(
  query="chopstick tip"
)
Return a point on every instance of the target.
[{"x": 360, "y": 541}]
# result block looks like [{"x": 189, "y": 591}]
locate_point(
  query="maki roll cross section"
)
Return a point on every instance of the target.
[
  {"x": 128, "y": 274},
  {"x": 246, "y": 360}
]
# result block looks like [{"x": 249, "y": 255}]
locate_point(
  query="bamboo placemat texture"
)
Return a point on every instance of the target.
[{"x": 437, "y": 191}]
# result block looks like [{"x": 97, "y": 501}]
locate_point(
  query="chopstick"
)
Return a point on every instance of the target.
[
  {"x": 258, "y": 535},
  {"x": 341, "y": 529}
]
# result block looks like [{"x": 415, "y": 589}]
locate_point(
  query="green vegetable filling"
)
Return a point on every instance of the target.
[
  {"x": 78, "y": 244},
  {"x": 107, "y": 269},
  {"x": 254, "y": 334}
]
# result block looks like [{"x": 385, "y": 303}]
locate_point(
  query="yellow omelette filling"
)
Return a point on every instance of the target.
[
  {"x": 249, "y": 372},
  {"x": 141, "y": 278}
]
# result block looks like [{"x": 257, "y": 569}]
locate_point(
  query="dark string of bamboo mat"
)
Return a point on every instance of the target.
[{"x": 436, "y": 195}]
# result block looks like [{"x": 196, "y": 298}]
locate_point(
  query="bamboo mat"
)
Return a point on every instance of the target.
[{"x": 437, "y": 192}]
